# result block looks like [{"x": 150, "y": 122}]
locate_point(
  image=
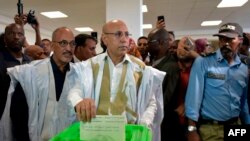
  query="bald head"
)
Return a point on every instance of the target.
[
  {"x": 63, "y": 46},
  {"x": 35, "y": 52},
  {"x": 158, "y": 44},
  {"x": 158, "y": 34},
  {"x": 112, "y": 25},
  {"x": 59, "y": 32},
  {"x": 10, "y": 27},
  {"x": 14, "y": 38},
  {"x": 115, "y": 36}
]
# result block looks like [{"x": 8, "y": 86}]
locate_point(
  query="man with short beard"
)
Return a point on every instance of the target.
[
  {"x": 46, "y": 88},
  {"x": 45, "y": 84},
  {"x": 11, "y": 56},
  {"x": 217, "y": 90}
]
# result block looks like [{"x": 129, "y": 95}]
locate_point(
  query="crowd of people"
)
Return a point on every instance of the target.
[{"x": 181, "y": 89}]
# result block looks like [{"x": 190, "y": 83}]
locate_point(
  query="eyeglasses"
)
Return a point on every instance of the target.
[
  {"x": 152, "y": 41},
  {"x": 144, "y": 44},
  {"x": 64, "y": 43},
  {"x": 119, "y": 34}
]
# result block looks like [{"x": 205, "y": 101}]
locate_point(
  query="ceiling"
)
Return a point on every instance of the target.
[{"x": 182, "y": 16}]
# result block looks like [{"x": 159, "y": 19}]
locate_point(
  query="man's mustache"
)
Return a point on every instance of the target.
[
  {"x": 227, "y": 47},
  {"x": 67, "y": 53},
  {"x": 123, "y": 47}
]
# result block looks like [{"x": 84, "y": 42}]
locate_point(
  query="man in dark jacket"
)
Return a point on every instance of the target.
[
  {"x": 10, "y": 56},
  {"x": 162, "y": 60}
]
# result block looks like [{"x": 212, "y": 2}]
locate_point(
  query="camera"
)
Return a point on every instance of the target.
[{"x": 31, "y": 19}]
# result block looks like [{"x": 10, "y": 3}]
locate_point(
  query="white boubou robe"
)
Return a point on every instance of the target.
[
  {"x": 47, "y": 117},
  {"x": 146, "y": 100}
]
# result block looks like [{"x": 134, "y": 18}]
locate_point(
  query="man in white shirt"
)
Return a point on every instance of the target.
[
  {"x": 46, "y": 87},
  {"x": 114, "y": 83}
]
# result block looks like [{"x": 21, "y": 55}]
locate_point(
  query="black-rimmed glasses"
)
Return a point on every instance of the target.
[
  {"x": 152, "y": 41},
  {"x": 119, "y": 34},
  {"x": 64, "y": 43}
]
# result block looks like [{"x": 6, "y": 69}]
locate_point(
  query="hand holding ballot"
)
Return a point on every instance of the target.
[{"x": 86, "y": 110}]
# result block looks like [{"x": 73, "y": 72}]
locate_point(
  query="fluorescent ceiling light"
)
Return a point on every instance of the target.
[
  {"x": 146, "y": 26},
  {"x": 144, "y": 8},
  {"x": 54, "y": 14},
  {"x": 231, "y": 3},
  {"x": 84, "y": 29},
  {"x": 210, "y": 23}
]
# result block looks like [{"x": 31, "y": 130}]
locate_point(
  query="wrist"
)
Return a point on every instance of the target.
[
  {"x": 191, "y": 128},
  {"x": 37, "y": 30}
]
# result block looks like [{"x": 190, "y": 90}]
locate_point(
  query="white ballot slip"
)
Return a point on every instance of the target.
[{"x": 104, "y": 128}]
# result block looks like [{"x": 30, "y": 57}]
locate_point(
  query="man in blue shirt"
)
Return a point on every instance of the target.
[{"x": 217, "y": 91}]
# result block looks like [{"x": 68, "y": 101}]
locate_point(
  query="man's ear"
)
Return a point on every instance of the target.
[
  {"x": 104, "y": 39},
  {"x": 52, "y": 46},
  {"x": 241, "y": 39}
]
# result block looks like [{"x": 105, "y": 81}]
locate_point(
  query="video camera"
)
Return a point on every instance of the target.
[{"x": 31, "y": 19}]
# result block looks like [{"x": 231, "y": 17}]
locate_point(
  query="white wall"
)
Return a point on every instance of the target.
[{"x": 129, "y": 11}]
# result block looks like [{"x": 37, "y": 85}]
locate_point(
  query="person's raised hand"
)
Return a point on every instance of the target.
[
  {"x": 160, "y": 24},
  {"x": 21, "y": 20}
]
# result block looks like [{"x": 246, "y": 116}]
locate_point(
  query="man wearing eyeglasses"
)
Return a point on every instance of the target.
[
  {"x": 46, "y": 86},
  {"x": 118, "y": 84}
]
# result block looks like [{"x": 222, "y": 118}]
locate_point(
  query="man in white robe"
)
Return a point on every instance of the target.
[
  {"x": 116, "y": 83},
  {"x": 46, "y": 86}
]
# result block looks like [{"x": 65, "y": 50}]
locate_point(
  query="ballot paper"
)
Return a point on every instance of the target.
[{"x": 104, "y": 128}]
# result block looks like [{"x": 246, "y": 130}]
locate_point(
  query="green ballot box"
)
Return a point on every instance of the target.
[{"x": 133, "y": 133}]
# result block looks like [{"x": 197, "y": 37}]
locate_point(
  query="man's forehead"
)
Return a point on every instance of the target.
[
  {"x": 64, "y": 35},
  {"x": 89, "y": 40},
  {"x": 142, "y": 40},
  {"x": 116, "y": 26},
  {"x": 14, "y": 27},
  {"x": 117, "y": 29},
  {"x": 170, "y": 36},
  {"x": 152, "y": 37},
  {"x": 46, "y": 42}
]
